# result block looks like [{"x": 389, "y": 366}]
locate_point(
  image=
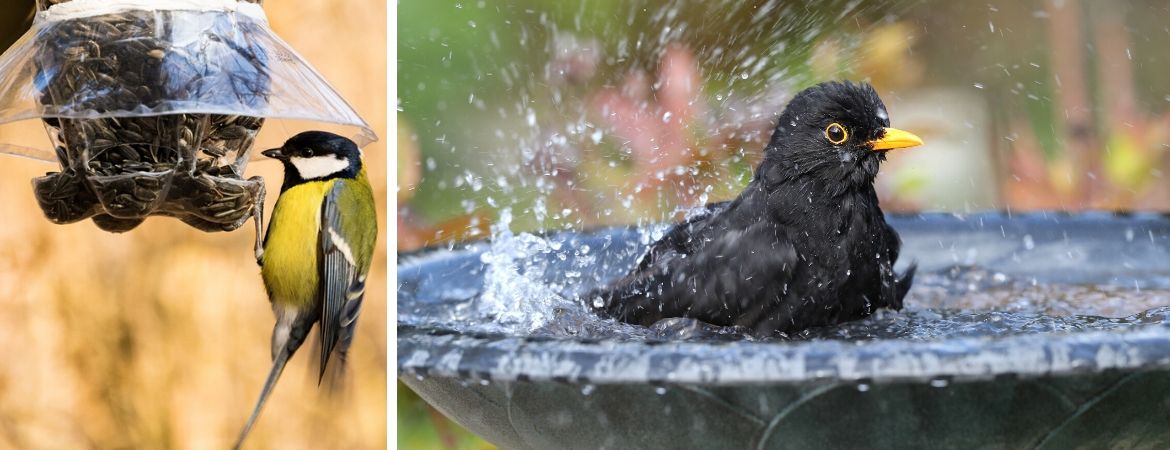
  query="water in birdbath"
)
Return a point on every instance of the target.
[{"x": 522, "y": 284}]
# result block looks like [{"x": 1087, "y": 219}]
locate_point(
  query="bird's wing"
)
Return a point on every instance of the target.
[
  {"x": 739, "y": 274},
  {"x": 678, "y": 237},
  {"x": 342, "y": 278}
]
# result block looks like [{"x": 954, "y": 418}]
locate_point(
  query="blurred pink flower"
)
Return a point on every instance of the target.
[{"x": 656, "y": 122}]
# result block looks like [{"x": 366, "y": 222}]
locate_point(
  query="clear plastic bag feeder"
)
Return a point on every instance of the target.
[{"x": 154, "y": 106}]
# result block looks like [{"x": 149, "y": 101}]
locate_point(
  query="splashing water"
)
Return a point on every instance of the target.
[
  {"x": 619, "y": 113},
  {"x": 529, "y": 286},
  {"x": 514, "y": 293}
]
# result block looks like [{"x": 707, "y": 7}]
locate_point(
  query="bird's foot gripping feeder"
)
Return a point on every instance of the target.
[{"x": 153, "y": 107}]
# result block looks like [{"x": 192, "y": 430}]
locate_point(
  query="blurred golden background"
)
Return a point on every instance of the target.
[{"x": 159, "y": 338}]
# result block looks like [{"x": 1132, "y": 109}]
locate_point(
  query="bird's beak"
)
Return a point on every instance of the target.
[
  {"x": 274, "y": 153},
  {"x": 895, "y": 138}
]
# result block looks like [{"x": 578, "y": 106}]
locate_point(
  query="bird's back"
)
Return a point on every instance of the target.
[
  {"x": 358, "y": 198},
  {"x": 765, "y": 265}
]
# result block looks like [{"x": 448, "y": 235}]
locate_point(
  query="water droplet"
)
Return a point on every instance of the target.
[
  {"x": 1028, "y": 242},
  {"x": 598, "y": 302},
  {"x": 863, "y": 387},
  {"x": 978, "y": 85},
  {"x": 660, "y": 390},
  {"x": 588, "y": 389},
  {"x": 939, "y": 382}
]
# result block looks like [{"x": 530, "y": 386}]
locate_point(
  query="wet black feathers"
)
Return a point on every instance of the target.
[{"x": 805, "y": 244}]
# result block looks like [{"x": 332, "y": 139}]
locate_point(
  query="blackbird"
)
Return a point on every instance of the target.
[{"x": 804, "y": 245}]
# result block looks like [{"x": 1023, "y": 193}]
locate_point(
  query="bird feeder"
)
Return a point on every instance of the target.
[{"x": 152, "y": 107}]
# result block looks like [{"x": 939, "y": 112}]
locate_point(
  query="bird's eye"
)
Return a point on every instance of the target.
[
  {"x": 308, "y": 152},
  {"x": 836, "y": 133}
]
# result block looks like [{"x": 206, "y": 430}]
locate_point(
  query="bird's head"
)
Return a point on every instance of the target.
[
  {"x": 835, "y": 132},
  {"x": 318, "y": 155}
]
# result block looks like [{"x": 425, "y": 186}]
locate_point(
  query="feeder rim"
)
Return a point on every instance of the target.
[{"x": 77, "y": 9}]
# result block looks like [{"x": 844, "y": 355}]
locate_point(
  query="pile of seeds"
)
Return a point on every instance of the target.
[{"x": 119, "y": 170}]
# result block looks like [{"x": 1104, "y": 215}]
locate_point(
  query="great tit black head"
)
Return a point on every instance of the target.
[
  {"x": 317, "y": 156},
  {"x": 836, "y": 132}
]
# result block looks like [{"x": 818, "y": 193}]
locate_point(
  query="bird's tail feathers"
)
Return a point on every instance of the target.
[
  {"x": 274, "y": 374},
  {"x": 903, "y": 283},
  {"x": 292, "y": 326}
]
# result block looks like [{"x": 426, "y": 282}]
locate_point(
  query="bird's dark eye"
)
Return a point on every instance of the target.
[
  {"x": 308, "y": 152},
  {"x": 836, "y": 133}
]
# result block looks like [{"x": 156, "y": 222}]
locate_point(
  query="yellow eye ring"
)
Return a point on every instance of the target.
[{"x": 836, "y": 133}]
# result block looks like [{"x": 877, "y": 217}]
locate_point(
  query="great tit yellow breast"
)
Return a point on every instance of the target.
[{"x": 289, "y": 266}]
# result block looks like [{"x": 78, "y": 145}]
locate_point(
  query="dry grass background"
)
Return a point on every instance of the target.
[{"x": 158, "y": 338}]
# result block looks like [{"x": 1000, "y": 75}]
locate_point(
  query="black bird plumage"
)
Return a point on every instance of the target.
[{"x": 804, "y": 245}]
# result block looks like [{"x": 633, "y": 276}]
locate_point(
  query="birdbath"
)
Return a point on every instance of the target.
[
  {"x": 154, "y": 107},
  {"x": 1043, "y": 330}
]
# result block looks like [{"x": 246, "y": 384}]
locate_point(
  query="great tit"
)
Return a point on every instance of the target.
[{"x": 317, "y": 250}]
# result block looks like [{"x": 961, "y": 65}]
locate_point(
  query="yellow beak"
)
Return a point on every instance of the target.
[{"x": 895, "y": 138}]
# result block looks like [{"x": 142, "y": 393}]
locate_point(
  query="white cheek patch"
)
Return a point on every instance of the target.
[{"x": 318, "y": 166}]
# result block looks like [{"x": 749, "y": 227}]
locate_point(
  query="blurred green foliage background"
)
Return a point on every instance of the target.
[{"x": 582, "y": 113}]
